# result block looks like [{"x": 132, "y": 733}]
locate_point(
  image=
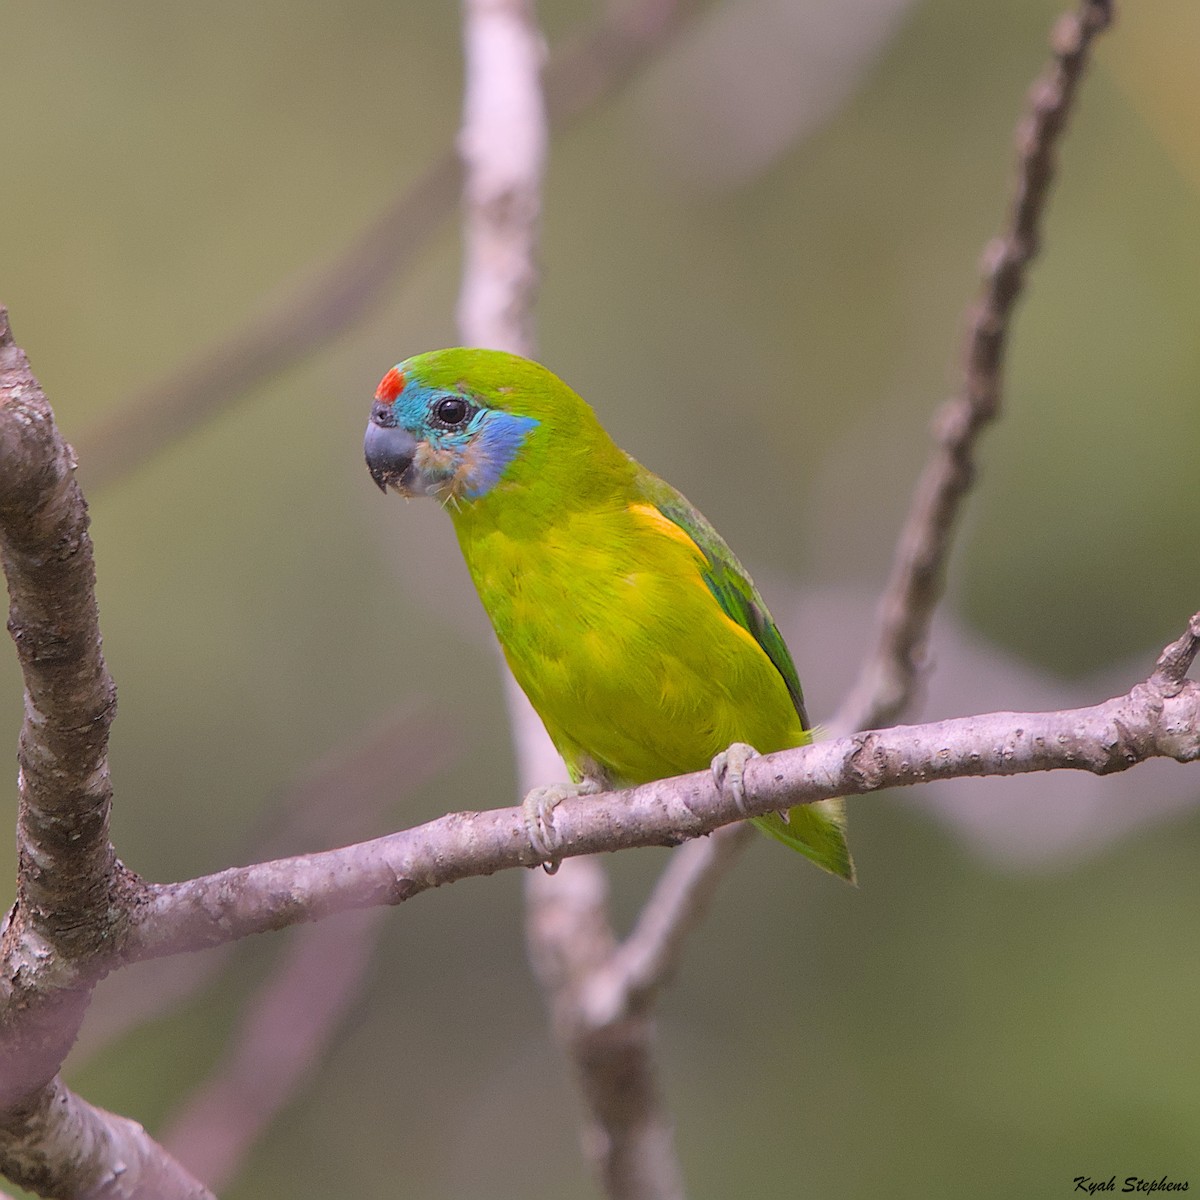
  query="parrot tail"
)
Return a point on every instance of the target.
[{"x": 818, "y": 831}]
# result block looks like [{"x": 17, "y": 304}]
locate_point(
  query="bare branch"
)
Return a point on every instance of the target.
[
  {"x": 67, "y": 873},
  {"x": 890, "y": 675},
  {"x": 590, "y": 67},
  {"x": 503, "y": 148},
  {"x": 1159, "y": 718},
  {"x": 57, "y": 1144},
  {"x": 66, "y": 863},
  {"x": 70, "y": 887}
]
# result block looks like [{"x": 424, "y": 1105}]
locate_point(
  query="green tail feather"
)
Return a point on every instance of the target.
[{"x": 818, "y": 831}]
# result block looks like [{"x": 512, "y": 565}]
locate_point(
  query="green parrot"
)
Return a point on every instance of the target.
[{"x": 636, "y": 634}]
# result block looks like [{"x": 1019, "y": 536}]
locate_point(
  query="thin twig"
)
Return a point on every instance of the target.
[
  {"x": 591, "y": 65},
  {"x": 889, "y": 677}
]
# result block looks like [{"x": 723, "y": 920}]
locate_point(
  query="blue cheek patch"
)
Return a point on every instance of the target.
[
  {"x": 496, "y": 437},
  {"x": 468, "y": 462}
]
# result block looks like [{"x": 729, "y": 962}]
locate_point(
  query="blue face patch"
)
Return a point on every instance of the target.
[
  {"x": 496, "y": 438},
  {"x": 467, "y": 459}
]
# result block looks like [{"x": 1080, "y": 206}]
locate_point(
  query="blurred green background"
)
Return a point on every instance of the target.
[{"x": 768, "y": 321}]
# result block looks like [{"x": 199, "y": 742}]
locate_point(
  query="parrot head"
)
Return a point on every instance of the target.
[
  {"x": 452, "y": 424},
  {"x": 442, "y": 426}
]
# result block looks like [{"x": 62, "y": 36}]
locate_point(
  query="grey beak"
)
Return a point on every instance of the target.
[{"x": 389, "y": 452}]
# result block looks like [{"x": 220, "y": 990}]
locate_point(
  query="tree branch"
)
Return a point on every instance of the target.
[
  {"x": 66, "y": 863},
  {"x": 66, "y": 868},
  {"x": 57, "y": 1144},
  {"x": 1159, "y": 718},
  {"x": 70, "y": 888},
  {"x": 889, "y": 677}
]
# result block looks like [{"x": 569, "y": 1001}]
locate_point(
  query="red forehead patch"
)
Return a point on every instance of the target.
[{"x": 390, "y": 386}]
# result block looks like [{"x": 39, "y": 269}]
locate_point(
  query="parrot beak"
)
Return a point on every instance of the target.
[{"x": 389, "y": 451}]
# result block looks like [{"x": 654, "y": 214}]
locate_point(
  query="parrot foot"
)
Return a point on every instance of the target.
[
  {"x": 728, "y": 771},
  {"x": 538, "y": 810}
]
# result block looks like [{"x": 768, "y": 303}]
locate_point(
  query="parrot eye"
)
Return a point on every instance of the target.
[{"x": 451, "y": 411}]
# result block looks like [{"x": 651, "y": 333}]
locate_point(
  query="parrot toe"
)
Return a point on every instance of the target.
[
  {"x": 538, "y": 810},
  {"x": 728, "y": 772}
]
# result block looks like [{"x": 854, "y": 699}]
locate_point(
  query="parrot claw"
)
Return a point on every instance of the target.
[
  {"x": 538, "y": 810},
  {"x": 728, "y": 769}
]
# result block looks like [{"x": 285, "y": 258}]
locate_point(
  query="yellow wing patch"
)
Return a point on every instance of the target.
[{"x": 649, "y": 515}]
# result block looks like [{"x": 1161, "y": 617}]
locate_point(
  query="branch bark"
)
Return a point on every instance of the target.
[
  {"x": 67, "y": 873},
  {"x": 57, "y": 1144},
  {"x": 1158, "y": 718},
  {"x": 71, "y": 891}
]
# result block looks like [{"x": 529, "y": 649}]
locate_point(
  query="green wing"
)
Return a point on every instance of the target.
[
  {"x": 818, "y": 831},
  {"x": 729, "y": 583},
  {"x": 735, "y": 593}
]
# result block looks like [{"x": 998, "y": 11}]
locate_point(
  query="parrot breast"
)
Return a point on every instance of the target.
[{"x": 613, "y": 634}]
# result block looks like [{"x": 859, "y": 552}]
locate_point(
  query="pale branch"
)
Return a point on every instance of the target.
[
  {"x": 1159, "y": 718},
  {"x": 590, "y": 66},
  {"x": 57, "y": 1144},
  {"x": 626, "y": 1134},
  {"x": 889, "y": 677},
  {"x": 503, "y": 148}
]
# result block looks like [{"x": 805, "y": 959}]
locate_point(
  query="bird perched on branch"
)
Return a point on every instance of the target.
[{"x": 634, "y": 631}]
